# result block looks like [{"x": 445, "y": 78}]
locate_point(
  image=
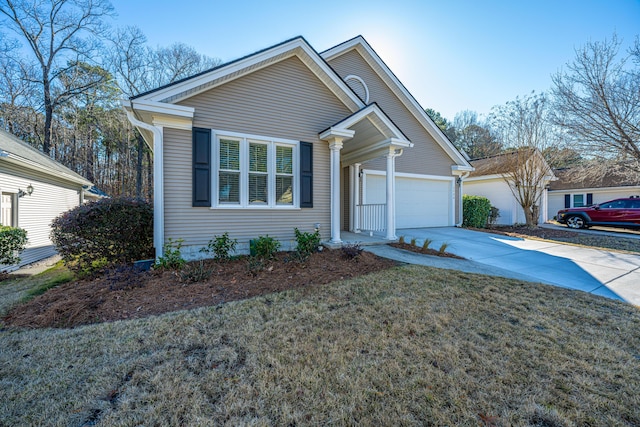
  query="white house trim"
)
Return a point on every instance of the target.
[
  {"x": 158, "y": 178},
  {"x": 222, "y": 74},
  {"x": 364, "y": 85},
  {"x": 450, "y": 179},
  {"x": 407, "y": 99}
]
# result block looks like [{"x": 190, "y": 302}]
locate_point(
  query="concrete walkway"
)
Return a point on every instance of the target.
[{"x": 606, "y": 273}]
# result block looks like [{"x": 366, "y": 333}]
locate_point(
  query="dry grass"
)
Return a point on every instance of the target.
[
  {"x": 18, "y": 288},
  {"x": 408, "y": 346}
]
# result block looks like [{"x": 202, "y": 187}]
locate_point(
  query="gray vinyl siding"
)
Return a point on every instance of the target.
[
  {"x": 426, "y": 157},
  {"x": 51, "y": 197},
  {"x": 284, "y": 100}
]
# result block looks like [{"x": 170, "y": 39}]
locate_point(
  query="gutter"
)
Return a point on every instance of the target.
[{"x": 158, "y": 177}]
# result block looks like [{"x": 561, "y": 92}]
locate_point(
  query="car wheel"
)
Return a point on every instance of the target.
[{"x": 576, "y": 222}]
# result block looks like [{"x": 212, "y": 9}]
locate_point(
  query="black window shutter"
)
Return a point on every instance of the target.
[
  {"x": 567, "y": 201},
  {"x": 589, "y": 199},
  {"x": 201, "y": 167},
  {"x": 306, "y": 175}
]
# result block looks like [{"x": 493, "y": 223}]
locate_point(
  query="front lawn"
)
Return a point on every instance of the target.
[{"x": 409, "y": 345}]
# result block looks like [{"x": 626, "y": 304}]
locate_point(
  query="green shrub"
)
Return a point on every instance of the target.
[
  {"x": 12, "y": 242},
  {"x": 107, "y": 232},
  {"x": 264, "y": 247},
  {"x": 307, "y": 243},
  {"x": 475, "y": 211},
  {"x": 221, "y": 247},
  {"x": 195, "y": 272},
  {"x": 443, "y": 248},
  {"x": 426, "y": 244},
  {"x": 494, "y": 213},
  {"x": 171, "y": 256},
  {"x": 351, "y": 250}
]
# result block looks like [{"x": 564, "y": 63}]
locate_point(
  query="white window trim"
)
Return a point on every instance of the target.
[
  {"x": 584, "y": 200},
  {"x": 245, "y": 140}
]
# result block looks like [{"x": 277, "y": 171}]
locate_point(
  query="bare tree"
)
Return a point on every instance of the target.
[
  {"x": 57, "y": 33},
  {"x": 598, "y": 101},
  {"x": 474, "y": 136},
  {"x": 524, "y": 126},
  {"x": 139, "y": 68}
]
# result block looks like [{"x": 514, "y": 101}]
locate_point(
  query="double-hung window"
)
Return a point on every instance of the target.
[{"x": 255, "y": 171}]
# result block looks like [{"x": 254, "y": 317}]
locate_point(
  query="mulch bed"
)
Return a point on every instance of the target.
[
  {"x": 524, "y": 231},
  {"x": 124, "y": 293}
]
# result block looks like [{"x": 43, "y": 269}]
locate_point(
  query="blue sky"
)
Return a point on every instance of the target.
[{"x": 452, "y": 55}]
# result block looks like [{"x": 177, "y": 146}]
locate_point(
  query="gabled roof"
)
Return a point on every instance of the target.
[
  {"x": 581, "y": 177},
  {"x": 384, "y": 72},
  {"x": 16, "y": 151},
  {"x": 224, "y": 73},
  {"x": 504, "y": 163}
]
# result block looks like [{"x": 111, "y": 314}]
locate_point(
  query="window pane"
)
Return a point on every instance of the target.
[
  {"x": 578, "y": 200},
  {"x": 284, "y": 159},
  {"x": 258, "y": 188},
  {"x": 257, "y": 158},
  {"x": 229, "y": 154},
  {"x": 229, "y": 187},
  {"x": 284, "y": 190}
]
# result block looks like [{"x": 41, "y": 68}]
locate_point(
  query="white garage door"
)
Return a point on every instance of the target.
[{"x": 420, "y": 202}]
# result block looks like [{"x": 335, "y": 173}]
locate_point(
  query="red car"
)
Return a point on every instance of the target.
[{"x": 623, "y": 213}]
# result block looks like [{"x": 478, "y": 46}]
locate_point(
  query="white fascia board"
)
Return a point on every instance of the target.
[
  {"x": 485, "y": 177},
  {"x": 460, "y": 168},
  {"x": 629, "y": 188},
  {"x": 333, "y": 132},
  {"x": 26, "y": 163},
  {"x": 163, "y": 108},
  {"x": 399, "y": 143},
  {"x": 194, "y": 82},
  {"x": 409, "y": 175},
  {"x": 374, "y": 109},
  {"x": 413, "y": 106},
  {"x": 247, "y": 63}
]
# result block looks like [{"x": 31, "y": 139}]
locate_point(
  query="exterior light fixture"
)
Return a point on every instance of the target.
[{"x": 22, "y": 193}]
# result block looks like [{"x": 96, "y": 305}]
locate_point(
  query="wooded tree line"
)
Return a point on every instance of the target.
[
  {"x": 64, "y": 68},
  {"x": 63, "y": 72}
]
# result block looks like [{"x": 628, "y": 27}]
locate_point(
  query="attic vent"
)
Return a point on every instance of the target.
[{"x": 358, "y": 86}]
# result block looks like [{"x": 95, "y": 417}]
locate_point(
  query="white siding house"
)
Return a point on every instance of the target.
[
  {"x": 54, "y": 189},
  {"x": 576, "y": 188},
  {"x": 492, "y": 179}
]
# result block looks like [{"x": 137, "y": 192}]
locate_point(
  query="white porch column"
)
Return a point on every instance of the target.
[
  {"x": 335, "y": 145},
  {"x": 354, "y": 196},
  {"x": 391, "y": 196}
]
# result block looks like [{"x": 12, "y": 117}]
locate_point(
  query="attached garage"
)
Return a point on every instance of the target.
[{"x": 421, "y": 200}]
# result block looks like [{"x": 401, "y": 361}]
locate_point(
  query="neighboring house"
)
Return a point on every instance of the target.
[
  {"x": 289, "y": 137},
  {"x": 491, "y": 179},
  {"x": 576, "y": 187},
  {"x": 35, "y": 189}
]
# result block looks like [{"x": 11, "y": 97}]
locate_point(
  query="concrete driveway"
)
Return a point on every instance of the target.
[{"x": 610, "y": 274}]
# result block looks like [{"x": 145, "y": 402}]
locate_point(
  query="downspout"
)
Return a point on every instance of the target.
[
  {"x": 460, "y": 180},
  {"x": 158, "y": 180}
]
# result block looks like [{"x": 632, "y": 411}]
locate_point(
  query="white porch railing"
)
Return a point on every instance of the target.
[{"x": 372, "y": 217}]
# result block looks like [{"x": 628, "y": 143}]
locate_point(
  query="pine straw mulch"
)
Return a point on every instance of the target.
[{"x": 125, "y": 293}]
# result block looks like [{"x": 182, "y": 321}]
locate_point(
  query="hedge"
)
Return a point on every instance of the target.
[{"x": 475, "y": 211}]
